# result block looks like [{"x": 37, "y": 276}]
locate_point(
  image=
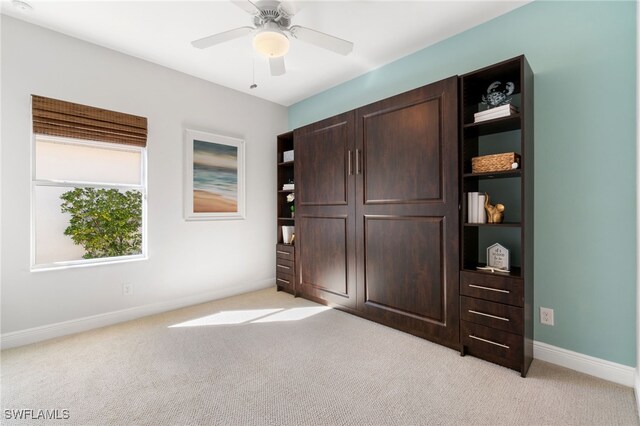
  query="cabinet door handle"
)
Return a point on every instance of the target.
[
  {"x": 282, "y": 252},
  {"x": 282, "y": 266},
  {"x": 489, "y": 288},
  {"x": 349, "y": 163},
  {"x": 358, "y": 161},
  {"x": 284, "y": 281},
  {"x": 488, "y": 315},
  {"x": 489, "y": 341}
]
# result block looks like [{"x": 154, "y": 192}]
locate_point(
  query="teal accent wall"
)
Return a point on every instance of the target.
[{"x": 583, "y": 55}]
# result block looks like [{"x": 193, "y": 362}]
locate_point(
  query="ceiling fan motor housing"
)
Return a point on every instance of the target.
[{"x": 271, "y": 11}]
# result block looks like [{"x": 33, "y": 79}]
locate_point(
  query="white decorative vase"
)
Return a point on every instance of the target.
[{"x": 287, "y": 234}]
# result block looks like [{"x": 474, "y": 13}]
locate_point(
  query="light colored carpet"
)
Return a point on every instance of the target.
[{"x": 266, "y": 358}]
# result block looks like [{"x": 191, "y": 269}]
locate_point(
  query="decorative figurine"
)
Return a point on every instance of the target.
[
  {"x": 497, "y": 96},
  {"x": 495, "y": 214}
]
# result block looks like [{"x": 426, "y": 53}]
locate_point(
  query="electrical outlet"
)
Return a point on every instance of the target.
[
  {"x": 127, "y": 289},
  {"x": 546, "y": 316}
]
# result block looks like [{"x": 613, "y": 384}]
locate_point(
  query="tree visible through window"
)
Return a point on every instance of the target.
[{"x": 106, "y": 222}]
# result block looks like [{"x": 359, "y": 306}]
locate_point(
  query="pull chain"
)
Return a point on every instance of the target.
[{"x": 253, "y": 74}]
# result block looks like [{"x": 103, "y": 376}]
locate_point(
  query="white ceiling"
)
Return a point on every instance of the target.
[{"x": 161, "y": 32}]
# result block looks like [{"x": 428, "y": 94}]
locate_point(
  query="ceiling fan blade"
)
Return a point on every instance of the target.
[
  {"x": 247, "y": 6},
  {"x": 290, "y": 8},
  {"x": 277, "y": 66},
  {"x": 212, "y": 40},
  {"x": 323, "y": 40}
]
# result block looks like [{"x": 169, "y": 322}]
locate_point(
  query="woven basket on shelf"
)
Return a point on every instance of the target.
[{"x": 494, "y": 162}]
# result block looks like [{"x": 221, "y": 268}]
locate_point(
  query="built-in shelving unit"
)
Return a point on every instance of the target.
[
  {"x": 496, "y": 318},
  {"x": 285, "y": 256}
]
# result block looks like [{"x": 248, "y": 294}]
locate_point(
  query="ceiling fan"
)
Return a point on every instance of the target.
[{"x": 272, "y": 23}]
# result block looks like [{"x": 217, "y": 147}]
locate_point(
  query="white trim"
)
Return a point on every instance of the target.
[
  {"x": 83, "y": 263},
  {"x": 78, "y": 184},
  {"x": 637, "y": 389},
  {"x": 37, "y": 334},
  {"x": 607, "y": 370}
]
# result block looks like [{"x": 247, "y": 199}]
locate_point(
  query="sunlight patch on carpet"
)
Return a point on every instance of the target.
[
  {"x": 227, "y": 318},
  {"x": 293, "y": 314},
  {"x": 253, "y": 316}
]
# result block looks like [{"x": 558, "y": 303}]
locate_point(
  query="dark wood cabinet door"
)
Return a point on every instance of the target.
[
  {"x": 407, "y": 211},
  {"x": 325, "y": 227}
]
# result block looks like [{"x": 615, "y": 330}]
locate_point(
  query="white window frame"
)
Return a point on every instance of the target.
[{"x": 142, "y": 187}]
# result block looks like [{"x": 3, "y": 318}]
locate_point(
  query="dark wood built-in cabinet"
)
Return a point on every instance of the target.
[
  {"x": 407, "y": 211},
  {"x": 381, "y": 229},
  {"x": 496, "y": 309},
  {"x": 325, "y": 245},
  {"x": 377, "y": 216}
]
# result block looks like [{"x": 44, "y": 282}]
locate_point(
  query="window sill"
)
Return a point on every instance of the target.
[{"x": 73, "y": 264}]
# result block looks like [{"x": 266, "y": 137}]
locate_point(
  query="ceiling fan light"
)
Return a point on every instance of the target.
[{"x": 270, "y": 43}]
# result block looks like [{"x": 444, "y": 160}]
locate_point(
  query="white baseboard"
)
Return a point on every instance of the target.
[
  {"x": 637, "y": 388},
  {"x": 607, "y": 370},
  {"x": 37, "y": 334}
]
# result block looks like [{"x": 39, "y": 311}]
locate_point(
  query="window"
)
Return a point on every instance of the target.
[{"x": 88, "y": 195}]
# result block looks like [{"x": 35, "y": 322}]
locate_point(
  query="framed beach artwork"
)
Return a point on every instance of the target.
[{"x": 214, "y": 176}]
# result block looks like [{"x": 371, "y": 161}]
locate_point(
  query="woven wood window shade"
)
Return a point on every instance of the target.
[{"x": 60, "y": 118}]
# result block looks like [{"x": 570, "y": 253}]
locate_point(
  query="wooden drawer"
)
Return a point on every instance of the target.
[
  {"x": 493, "y": 345},
  {"x": 285, "y": 251},
  {"x": 284, "y": 280},
  {"x": 496, "y": 288},
  {"x": 284, "y": 266},
  {"x": 491, "y": 314}
]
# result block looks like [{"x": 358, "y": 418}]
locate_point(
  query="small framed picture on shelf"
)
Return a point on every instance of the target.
[{"x": 498, "y": 257}]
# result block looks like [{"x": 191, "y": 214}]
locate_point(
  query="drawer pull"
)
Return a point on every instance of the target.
[
  {"x": 282, "y": 266},
  {"x": 489, "y": 288},
  {"x": 489, "y": 341},
  {"x": 282, "y": 252},
  {"x": 488, "y": 315},
  {"x": 284, "y": 281}
]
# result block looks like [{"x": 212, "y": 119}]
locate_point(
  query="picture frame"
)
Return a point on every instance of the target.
[
  {"x": 498, "y": 257},
  {"x": 214, "y": 176}
]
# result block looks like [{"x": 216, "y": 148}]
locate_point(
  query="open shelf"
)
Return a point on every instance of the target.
[
  {"x": 494, "y": 175},
  {"x": 496, "y": 225},
  {"x": 497, "y": 125},
  {"x": 286, "y": 164},
  {"x": 515, "y": 272}
]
